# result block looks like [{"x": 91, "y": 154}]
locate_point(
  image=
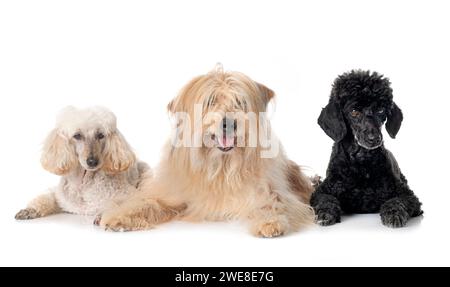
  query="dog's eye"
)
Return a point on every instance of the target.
[
  {"x": 381, "y": 111},
  {"x": 77, "y": 136},
  {"x": 100, "y": 136},
  {"x": 355, "y": 113}
]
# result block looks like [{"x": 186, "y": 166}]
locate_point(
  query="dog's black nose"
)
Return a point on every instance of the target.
[
  {"x": 92, "y": 161},
  {"x": 229, "y": 124}
]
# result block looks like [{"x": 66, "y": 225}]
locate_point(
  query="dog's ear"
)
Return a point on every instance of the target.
[
  {"x": 332, "y": 121},
  {"x": 119, "y": 155},
  {"x": 171, "y": 106},
  {"x": 58, "y": 155},
  {"x": 394, "y": 120},
  {"x": 266, "y": 93}
]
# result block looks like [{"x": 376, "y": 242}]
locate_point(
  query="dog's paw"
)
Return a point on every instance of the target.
[
  {"x": 326, "y": 219},
  {"x": 26, "y": 214},
  {"x": 123, "y": 224},
  {"x": 394, "y": 216},
  {"x": 269, "y": 230},
  {"x": 116, "y": 225}
]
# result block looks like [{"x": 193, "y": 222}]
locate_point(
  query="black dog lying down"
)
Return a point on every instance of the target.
[{"x": 362, "y": 176}]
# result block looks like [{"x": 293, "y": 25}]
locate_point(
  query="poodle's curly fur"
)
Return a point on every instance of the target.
[
  {"x": 362, "y": 175},
  {"x": 96, "y": 165}
]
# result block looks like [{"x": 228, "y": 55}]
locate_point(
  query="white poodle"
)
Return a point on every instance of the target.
[{"x": 96, "y": 164}]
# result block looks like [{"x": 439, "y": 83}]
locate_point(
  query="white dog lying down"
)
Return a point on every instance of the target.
[{"x": 96, "y": 164}]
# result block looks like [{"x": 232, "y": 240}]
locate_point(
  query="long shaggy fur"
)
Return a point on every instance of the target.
[
  {"x": 84, "y": 190},
  {"x": 204, "y": 183},
  {"x": 362, "y": 175}
]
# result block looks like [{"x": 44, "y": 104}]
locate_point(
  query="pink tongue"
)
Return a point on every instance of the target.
[{"x": 226, "y": 141}]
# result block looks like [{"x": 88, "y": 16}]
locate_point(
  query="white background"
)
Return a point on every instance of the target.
[{"x": 134, "y": 56}]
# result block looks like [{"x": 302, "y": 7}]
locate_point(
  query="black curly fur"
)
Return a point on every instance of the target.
[{"x": 362, "y": 176}]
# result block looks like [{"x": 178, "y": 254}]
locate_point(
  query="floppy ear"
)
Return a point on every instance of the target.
[
  {"x": 332, "y": 122},
  {"x": 119, "y": 156},
  {"x": 394, "y": 121},
  {"x": 171, "y": 106},
  {"x": 266, "y": 93},
  {"x": 58, "y": 156}
]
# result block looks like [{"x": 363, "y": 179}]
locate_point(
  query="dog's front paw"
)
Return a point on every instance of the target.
[
  {"x": 394, "y": 216},
  {"x": 28, "y": 213},
  {"x": 324, "y": 218},
  {"x": 123, "y": 223},
  {"x": 115, "y": 224},
  {"x": 269, "y": 229}
]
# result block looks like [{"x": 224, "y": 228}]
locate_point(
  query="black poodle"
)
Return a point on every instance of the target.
[{"x": 362, "y": 175}]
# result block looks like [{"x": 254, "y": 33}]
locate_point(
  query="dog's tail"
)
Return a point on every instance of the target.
[
  {"x": 302, "y": 184},
  {"x": 316, "y": 180}
]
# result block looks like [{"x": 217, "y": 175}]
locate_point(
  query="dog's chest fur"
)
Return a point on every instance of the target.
[
  {"x": 89, "y": 193},
  {"x": 216, "y": 201},
  {"x": 367, "y": 180}
]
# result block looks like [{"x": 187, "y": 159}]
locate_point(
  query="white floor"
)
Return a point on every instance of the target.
[{"x": 360, "y": 240}]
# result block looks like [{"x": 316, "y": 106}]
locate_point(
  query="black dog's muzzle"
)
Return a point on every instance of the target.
[{"x": 370, "y": 138}]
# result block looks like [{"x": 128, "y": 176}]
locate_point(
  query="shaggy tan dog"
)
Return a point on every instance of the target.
[{"x": 221, "y": 170}]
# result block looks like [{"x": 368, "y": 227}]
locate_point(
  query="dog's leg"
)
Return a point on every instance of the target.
[
  {"x": 139, "y": 213},
  {"x": 326, "y": 206},
  {"x": 398, "y": 210},
  {"x": 267, "y": 222},
  {"x": 281, "y": 214},
  {"x": 41, "y": 206},
  {"x": 327, "y": 209}
]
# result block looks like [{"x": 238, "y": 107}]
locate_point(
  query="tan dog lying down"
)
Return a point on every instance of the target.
[{"x": 226, "y": 176}]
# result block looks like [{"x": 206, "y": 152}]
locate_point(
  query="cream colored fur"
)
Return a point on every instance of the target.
[
  {"x": 81, "y": 190},
  {"x": 204, "y": 183}
]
